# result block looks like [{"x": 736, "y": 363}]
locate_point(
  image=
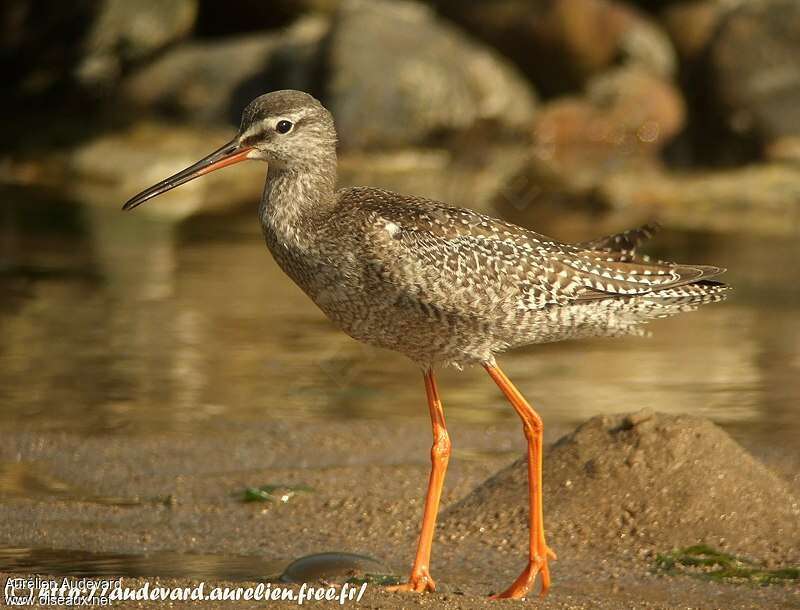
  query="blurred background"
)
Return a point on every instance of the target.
[{"x": 574, "y": 117}]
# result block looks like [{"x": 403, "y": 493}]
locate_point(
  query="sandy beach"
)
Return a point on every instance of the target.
[{"x": 183, "y": 495}]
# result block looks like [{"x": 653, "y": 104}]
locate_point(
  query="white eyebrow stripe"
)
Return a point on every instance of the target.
[{"x": 270, "y": 122}]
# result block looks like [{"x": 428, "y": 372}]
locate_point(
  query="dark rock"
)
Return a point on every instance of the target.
[
  {"x": 212, "y": 81},
  {"x": 82, "y": 48},
  {"x": 691, "y": 26},
  {"x": 41, "y": 45},
  {"x": 233, "y": 17},
  {"x": 754, "y": 67},
  {"x": 560, "y": 45},
  {"x": 399, "y": 76},
  {"x": 125, "y": 32},
  {"x": 709, "y": 140},
  {"x": 648, "y": 482}
]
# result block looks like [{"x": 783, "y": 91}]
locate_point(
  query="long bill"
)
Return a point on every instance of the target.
[{"x": 226, "y": 155}]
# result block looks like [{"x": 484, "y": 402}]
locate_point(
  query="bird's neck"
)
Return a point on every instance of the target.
[{"x": 296, "y": 200}]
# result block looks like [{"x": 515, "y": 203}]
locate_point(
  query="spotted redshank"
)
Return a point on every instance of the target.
[{"x": 440, "y": 284}]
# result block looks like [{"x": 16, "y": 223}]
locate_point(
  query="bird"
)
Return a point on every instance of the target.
[{"x": 441, "y": 284}]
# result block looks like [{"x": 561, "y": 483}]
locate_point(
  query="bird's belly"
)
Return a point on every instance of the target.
[
  {"x": 389, "y": 320},
  {"x": 369, "y": 310}
]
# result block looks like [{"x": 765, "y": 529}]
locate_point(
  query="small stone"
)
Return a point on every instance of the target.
[{"x": 333, "y": 567}]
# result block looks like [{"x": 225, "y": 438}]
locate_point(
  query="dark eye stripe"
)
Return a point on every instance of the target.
[
  {"x": 252, "y": 139},
  {"x": 265, "y": 132}
]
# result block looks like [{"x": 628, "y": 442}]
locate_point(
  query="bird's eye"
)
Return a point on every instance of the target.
[{"x": 284, "y": 126}]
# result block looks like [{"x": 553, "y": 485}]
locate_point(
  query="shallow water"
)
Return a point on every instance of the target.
[
  {"x": 331, "y": 566},
  {"x": 58, "y": 562},
  {"x": 124, "y": 323}
]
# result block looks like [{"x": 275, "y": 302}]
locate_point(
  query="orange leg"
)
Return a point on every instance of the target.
[
  {"x": 539, "y": 551},
  {"x": 420, "y": 579}
]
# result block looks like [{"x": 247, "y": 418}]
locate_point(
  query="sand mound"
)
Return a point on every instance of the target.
[{"x": 638, "y": 484}]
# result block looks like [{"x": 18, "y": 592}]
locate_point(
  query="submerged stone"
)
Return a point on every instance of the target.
[{"x": 333, "y": 566}]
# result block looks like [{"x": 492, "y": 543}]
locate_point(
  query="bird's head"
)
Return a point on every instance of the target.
[{"x": 290, "y": 130}]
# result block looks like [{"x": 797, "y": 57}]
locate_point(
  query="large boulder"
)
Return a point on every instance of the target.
[
  {"x": 216, "y": 19},
  {"x": 213, "y": 80},
  {"x": 624, "y": 114},
  {"x": 763, "y": 198},
  {"x": 621, "y": 123},
  {"x": 399, "y": 75},
  {"x": 754, "y": 68},
  {"x": 126, "y": 32},
  {"x": 83, "y": 44},
  {"x": 104, "y": 170},
  {"x": 39, "y": 49},
  {"x": 560, "y": 45},
  {"x": 643, "y": 483},
  {"x": 473, "y": 180}
]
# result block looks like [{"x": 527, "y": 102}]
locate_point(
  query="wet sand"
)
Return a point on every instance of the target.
[{"x": 182, "y": 493}]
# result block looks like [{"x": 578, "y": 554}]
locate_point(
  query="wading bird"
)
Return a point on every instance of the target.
[{"x": 440, "y": 284}]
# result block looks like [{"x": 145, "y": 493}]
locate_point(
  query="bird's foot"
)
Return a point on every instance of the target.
[
  {"x": 420, "y": 581},
  {"x": 537, "y": 565}
]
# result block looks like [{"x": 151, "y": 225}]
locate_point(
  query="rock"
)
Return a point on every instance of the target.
[
  {"x": 212, "y": 81},
  {"x": 82, "y": 44},
  {"x": 125, "y": 32},
  {"x": 624, "y": 113},
  {"x": 560, "y": 45},
  {"x": 39, "y": 49},
  {"x": 109, "y": 169},
  {"x": 785, "y": 149},
  {"x": 216, "y": 19},
  {"x": 400, "y": 76},
  {"x": 473, "y": 180},
  {"x": 754, "y": 68},
  {"x": 540, "y": 190},
  {"x": 757, "y": 198},
  {"x": 761, "y": 199},
  {"x": 621, "y": 124},
  {"x": 332, "y": 567},
  {"x": 647, "y": 483}
]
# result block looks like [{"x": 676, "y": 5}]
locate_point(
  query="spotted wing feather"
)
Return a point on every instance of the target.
[
  {"x": 622, "y": 246},
  {"x": 470, "y": 262}
]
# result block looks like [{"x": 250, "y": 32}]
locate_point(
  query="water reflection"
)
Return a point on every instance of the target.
[
  {"x": 331, "y": 566},
  {"x": 59, "y": 562},
  {"x": 26, "y": 480},
  {"x": 139, "y": 324}
]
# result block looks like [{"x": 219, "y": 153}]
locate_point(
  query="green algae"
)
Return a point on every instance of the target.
[{"x": 702, "y": 561}]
